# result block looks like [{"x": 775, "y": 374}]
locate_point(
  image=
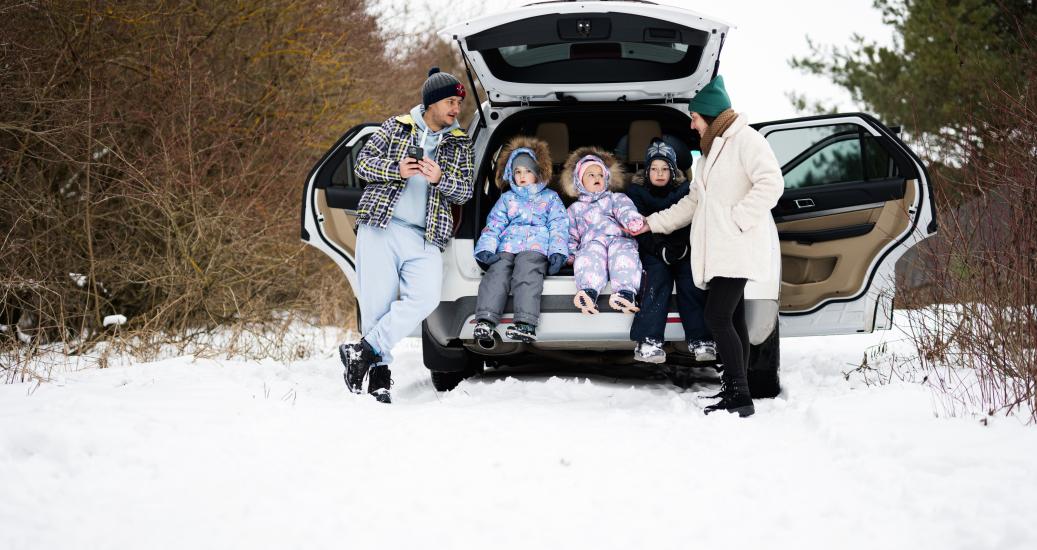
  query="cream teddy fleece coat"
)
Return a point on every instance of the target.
[{"x": 728, "y": 207}]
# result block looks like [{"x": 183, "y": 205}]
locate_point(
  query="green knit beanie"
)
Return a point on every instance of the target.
[{"x": 711, "y": 100}]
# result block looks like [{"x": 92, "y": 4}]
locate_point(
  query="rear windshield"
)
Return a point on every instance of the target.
[{"x": 590, "y": 48}]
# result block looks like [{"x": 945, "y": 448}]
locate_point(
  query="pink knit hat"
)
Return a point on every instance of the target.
[{"x": 588, "y": 161}]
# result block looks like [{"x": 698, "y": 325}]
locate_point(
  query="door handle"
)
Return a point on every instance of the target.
[{"x": 804, "y": 203}]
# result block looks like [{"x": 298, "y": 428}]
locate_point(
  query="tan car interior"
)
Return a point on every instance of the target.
[
  {"x": 814, "y": 272},
  {"x": 338, "y": 226}
]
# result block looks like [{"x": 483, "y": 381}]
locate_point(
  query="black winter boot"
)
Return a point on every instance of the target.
[
  {"x": 379, "y": 382},
  {"x": 357, "y": 359},
  {"x": 523, "y": 332},
  {"x": 724, "y": 390},
  {"x": 735, "y": 400}
]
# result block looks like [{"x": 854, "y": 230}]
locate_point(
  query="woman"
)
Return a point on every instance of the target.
[{"x": 737, "y": 182}]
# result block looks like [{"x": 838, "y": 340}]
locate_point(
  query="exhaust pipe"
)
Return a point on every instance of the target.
[{"x": 488, "y": 344}]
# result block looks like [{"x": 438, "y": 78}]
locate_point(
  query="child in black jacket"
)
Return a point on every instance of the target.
[{"x": 666, "y": 262}]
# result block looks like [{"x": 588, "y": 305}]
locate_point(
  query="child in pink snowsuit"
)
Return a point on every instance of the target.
[{"x": 601, "y": 251}]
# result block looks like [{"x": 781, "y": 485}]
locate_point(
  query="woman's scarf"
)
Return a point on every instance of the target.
[{"x": 720, "y": 125}]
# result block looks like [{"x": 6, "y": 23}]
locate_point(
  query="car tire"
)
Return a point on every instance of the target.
[
  {"x": 448, "y": 366},
  {"x": 764, "y": 366}
]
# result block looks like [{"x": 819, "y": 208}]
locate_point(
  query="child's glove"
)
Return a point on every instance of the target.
[
  {"x": 486, "y": 258},
  {"x": 555, "y": 263},
  {"x": 636, "y": 224},
  {"x": 671, "y": 252}
]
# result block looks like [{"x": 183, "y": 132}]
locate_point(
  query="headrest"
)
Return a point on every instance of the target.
[
  {"x": 641, "y": 134},
  {"x": 556, "y": 135}
]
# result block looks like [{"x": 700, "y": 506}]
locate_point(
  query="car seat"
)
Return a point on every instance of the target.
[{"x": 556, "y": 136}]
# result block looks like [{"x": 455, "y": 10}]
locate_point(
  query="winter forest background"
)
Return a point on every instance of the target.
[
  {"x": 167, "y": 342},
  {"x": 153, "y": 155}
]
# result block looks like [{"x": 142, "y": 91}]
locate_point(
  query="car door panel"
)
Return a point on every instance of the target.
[
  {"x": 851, "y": 206},
  {"x": 835, "y": 268},
  {"x": 806, "y": 203},
  {"x": 331, "y": 197}
]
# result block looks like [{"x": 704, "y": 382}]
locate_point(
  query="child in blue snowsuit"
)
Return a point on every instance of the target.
[
  {"x": 666, "y": 262},
  {"x": 525, "y": 239}
]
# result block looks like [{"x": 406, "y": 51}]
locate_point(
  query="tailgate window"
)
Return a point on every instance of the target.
[{"x": 590, "y": 48}]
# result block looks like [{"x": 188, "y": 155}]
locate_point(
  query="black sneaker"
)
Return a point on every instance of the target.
[
  {"x": 379, "y": 382},
  {"x": 523, "y": 332},
  {"x": 357, "y": 359},
  {"x": 733, "y": 402}
]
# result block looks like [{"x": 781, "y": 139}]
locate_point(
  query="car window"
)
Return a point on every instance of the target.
[
  {"x": 828, "y": 155},
  {"x": 343, "y": 175},
  {"x": 590, "y": 48}
]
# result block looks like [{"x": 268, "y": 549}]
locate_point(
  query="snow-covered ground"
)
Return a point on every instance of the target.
[{"x": 201, "y": 453}]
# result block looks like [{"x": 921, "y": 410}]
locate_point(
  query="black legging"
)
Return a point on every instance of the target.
[{"x": 725, "y": 316}]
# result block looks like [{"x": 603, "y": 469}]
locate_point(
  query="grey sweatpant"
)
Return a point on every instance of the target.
[{"x": 520, "y": 274}]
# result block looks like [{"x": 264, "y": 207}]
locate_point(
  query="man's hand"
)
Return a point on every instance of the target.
[
  {"x": 408, "y": 167},
  {"x": 431, "y": 170}
]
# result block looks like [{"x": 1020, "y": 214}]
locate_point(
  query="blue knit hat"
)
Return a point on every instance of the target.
[
  {"x": 439, "y": 86},
  {"x": 660, "y": 150}
]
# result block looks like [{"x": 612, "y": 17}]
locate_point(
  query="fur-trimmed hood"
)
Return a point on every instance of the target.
[
  {"x": 540, "y": 150},
  {"x": 617, "y": 175}
]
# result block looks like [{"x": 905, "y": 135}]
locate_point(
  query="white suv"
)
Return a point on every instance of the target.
[{"x": 616, "y": 74}]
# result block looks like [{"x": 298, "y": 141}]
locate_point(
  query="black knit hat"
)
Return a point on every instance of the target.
[
  {"x": 660, "y": 150},
  {"x": 439, "y": 86}
]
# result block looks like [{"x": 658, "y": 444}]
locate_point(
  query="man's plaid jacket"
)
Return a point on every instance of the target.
[{"x": 379, "y": 165}]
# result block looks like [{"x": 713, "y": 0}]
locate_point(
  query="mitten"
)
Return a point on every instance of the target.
[
  {"x": 636, "y": 224},
  {"x": 486, "y": 257},
  {"x": 555, "y": 263}
]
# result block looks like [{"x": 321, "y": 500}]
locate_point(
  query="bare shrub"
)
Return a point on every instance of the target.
[
  {"x": 152, "y": 156},
  {"x": 978, "y": 341}
]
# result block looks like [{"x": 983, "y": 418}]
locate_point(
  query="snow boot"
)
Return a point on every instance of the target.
[
  {"x": 623, "y": 302},
  {"x": 379, "y": 382},
  {"x": 483, "y": 332},
  {"x": 650, "y": 350},
  {"x": 734, "y": 397},
  {"x": 523, "y": 332},
  {"x": 586, "y": 300},
  {"x": 703, "y": 350},
  {"x": 724, "y": 391},
  {"x": 357, "y": 359}
]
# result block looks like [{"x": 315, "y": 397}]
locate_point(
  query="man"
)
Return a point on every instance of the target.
[{"x": 415, "y": 166}]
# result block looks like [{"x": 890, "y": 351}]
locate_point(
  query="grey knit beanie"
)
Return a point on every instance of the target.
[
  {"x": 440, "y": 85},
  {"x": 526, "y": 161}
]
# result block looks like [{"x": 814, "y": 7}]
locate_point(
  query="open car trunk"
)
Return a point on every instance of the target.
[{"x": 591, "y": 51}]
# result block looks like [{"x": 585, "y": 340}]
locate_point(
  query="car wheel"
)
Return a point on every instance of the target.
[
  {"x": 448, "y": 366},
  {"x": 764, "y": 362}
]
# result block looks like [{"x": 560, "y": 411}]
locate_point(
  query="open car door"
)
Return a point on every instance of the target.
[
  {"x": 856, "y": 198},
  {"x": 330, "y": 199}
]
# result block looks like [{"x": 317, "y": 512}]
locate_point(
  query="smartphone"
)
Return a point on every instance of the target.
[{"x": 415, "y": 152}]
